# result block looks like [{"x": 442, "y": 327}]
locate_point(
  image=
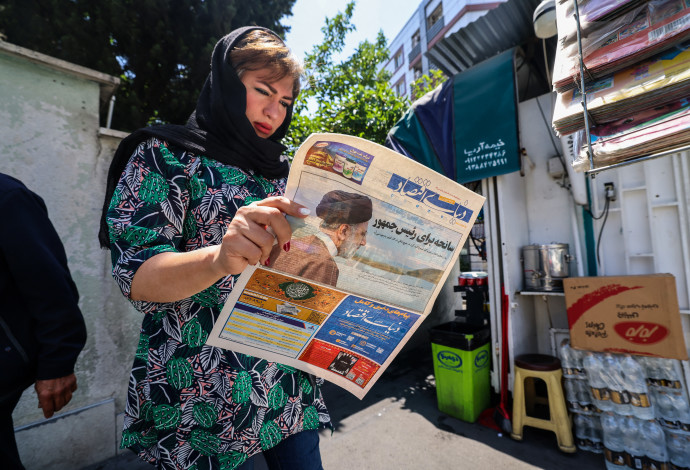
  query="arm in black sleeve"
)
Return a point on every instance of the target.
[{"x": 46, "y": 293}]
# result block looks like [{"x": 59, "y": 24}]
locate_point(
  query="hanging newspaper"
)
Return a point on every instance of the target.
[{"x": 363, "y": 270}]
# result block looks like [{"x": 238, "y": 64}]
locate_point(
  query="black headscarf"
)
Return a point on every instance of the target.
[{"x": 218, "y": 128}]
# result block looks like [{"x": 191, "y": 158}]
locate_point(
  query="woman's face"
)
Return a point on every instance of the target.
[{"x": 267, "y": 102}]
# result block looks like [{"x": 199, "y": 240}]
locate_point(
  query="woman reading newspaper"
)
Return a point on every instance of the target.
[{"x": 187, "y": 208}]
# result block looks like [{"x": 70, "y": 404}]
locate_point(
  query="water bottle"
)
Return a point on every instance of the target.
[
  {"x": 632, "y": 441},
  {"x": 584, "y": 395},
  {"x": 600, "y": 392},
  {"x": 678, "y": 446},
  {"x": 680, "y": 409},
  {"x": 654, "y": 443},
  {"x": 662, "y": 372},
  {"x": 570, "y": 361},
  {"x": 616, "y": 383},
  {"x": 578, "y": 371},
  {"x": 636, "y": 385},
  {"x": 614, "y": 450},
  {"x": 582, "y": 432},
  {"x": 672, "y": 373},
  {"x": 596, "y": 434},
  {"x": 663, "y": 407},
  {"x": 570, "y": 387}
]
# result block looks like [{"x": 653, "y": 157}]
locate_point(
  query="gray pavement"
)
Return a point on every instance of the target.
[{"x": 398, "y": 426}]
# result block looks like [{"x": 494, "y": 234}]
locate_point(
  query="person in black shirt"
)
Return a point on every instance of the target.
[{"x": 42, "y": 330}]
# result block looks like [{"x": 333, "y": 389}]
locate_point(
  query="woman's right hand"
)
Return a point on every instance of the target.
[
  {"x": 169, "y": 277},
  {"x": 250, "y": 236}
]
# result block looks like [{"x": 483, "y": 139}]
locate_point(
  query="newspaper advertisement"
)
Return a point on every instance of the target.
[{"x": 363, "y": 269}]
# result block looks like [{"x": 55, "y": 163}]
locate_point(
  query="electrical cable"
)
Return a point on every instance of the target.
[
  {"x": 481, "y": 253},
  {"x": 603, "y": 213},
  {"x": 563, "y": 183},
  {"x": 601, "y": 230},
  {"x": 553, "y": 143},
  {"x": 546, "y": 62}
]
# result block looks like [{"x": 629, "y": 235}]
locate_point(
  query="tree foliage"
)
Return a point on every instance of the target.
[
  {"x": 350, "y": 96},
  {"x": 160, "y": 49},
  {"x": 427, "y": 83}
]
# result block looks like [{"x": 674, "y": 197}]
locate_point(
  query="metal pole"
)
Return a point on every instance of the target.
[
  {"x": 582, "y": 87},
  {"x": 110, "y": 112}
]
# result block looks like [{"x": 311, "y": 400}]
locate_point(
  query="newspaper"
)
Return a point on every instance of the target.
[{"x": 347, "y": 321}]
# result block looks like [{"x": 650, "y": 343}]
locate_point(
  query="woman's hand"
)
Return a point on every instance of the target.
[
  {"x": 250, "y": 236},
  {"x": 169, "y": 277}
]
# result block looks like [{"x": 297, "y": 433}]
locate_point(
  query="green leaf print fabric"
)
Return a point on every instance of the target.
[{"x": 190, "y": 405}]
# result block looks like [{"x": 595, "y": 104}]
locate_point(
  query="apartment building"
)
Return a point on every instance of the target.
[{"x": 432, "y": 20}]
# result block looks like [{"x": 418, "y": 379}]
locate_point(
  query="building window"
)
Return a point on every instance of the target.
[
  {"x": 416, "y": 48},
  {"x": 416, "y": 39},
  {"x": 398, "y": 59},
  {"x": 400, "y": 88},
  {"x": 433, "y": 14},
  {"x": 417, "y": 70}
]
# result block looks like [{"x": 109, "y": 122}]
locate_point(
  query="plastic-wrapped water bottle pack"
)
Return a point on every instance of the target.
[{"x": 634, "y": 409}]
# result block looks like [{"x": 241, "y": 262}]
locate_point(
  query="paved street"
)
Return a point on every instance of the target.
[{"x": 398, "y": 426}]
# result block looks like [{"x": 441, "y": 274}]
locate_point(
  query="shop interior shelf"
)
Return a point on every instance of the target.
[
  {"x": 639, "y": 159},
  {"x": 534, "y": 292}
]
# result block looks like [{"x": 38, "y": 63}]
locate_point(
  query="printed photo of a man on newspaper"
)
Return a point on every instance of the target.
[
  {"x": 343, "y": 230},
  {"x": 359, "y": 243}
]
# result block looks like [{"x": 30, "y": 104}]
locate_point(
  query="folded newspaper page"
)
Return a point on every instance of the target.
[{"x": 363, "y": 269}]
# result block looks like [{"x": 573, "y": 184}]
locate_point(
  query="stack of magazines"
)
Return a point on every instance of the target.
[
  {"x": 637, "y": 80},
  {"x": 615, "y": 34},
  {"x": 649, "y": 131},
  {"x": 662, "y": 79}
]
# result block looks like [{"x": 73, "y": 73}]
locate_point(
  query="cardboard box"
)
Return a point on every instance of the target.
[{"x": 625, "y": 314}]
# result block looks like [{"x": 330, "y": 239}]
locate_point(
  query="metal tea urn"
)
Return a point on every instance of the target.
[{"x": 545, "y": 266}]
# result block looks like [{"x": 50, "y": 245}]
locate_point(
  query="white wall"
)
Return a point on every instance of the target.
[
  {"x": 529, "y": 209},
  {"x": 52, "y": 142}
]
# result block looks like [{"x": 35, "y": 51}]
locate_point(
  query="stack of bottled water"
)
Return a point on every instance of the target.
[
  {"x": 636, "y": 408},
  {"x": 588, "y": 432},
  {"x": 580, "y": 402},
  {"x": 678, "y": 445},
  {"x": 672, "y": 411}
]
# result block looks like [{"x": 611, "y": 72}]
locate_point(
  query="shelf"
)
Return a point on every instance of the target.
[
  {"x": 542, "y": 293},
  {"x": 662, "y": 205},
  {"x": 642, "y": 158}
]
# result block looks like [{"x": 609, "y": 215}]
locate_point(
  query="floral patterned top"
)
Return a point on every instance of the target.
[{"x": 189, "y": 405}]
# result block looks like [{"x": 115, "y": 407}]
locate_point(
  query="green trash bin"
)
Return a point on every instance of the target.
[{"x": 461, "y": 367}]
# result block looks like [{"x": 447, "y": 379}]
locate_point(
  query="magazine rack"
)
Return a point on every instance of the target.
[{"x": 588, "y": 118}]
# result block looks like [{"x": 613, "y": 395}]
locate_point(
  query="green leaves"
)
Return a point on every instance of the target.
[
  {"x": 193, "y": 333},
  {"x": 166, "y": 416},
  {"x": 242, "y": 387},
  {"x": 351, "y": 96},
  {"x": 179, "y": 373},
  {"x": 205, "y": 414},
  {"x": 270, "y": 435},
  {"x": 160, "y": 49},
  {"x": 427, "y": 83},
  {"x": 311, "y": 418}
]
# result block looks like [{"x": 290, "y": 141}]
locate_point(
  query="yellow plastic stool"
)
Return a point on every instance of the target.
[{"x": 548, "y": 369}]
